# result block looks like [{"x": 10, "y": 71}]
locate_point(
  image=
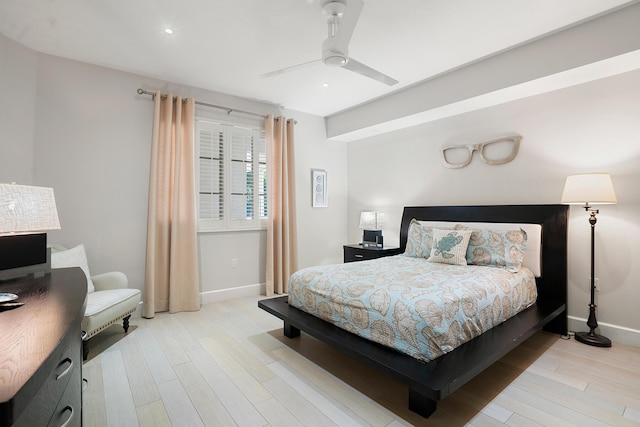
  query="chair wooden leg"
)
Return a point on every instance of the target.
[{"x": 125, "y": 323}]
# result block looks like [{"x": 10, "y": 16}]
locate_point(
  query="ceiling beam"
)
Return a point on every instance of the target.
[{"x": 600, "y": 47}]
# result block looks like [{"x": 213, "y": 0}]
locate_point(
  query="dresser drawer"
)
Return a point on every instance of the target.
[
  {"x": 354, "y": 253},
  {"x": 68, "y": 413},
  {"x": 357, "y": 254},
  {"x": 59, "y": 369}
]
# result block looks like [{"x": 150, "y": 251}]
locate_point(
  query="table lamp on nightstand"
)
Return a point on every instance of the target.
[
  {"x": 371, "y": 222},
  {"x": 587, "y": 189}
]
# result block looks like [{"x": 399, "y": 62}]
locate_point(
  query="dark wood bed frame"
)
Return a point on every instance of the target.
[{"x": 433, "y": 381}]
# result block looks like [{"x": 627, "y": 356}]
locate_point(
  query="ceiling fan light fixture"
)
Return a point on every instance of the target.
[{"x": 334, "y": 59}]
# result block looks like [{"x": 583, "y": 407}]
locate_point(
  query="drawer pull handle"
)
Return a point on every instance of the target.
[
  {"x": 66, "y": 371},
  {"x": 359, "y": 256},
  {"x": 70, "y": 410}
]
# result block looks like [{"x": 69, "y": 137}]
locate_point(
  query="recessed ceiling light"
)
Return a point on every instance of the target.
[
  {"x": 325, "y": 84},
  {"x": 168, "y": 30}
]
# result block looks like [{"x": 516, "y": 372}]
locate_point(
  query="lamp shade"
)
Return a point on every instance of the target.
[
  {"x": 371, "y": 220},
  {"x": 26, "y": 209},
  {"x": 589, "y": 188}
]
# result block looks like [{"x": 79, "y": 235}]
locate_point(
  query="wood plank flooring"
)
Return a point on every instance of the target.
[{"x": 229, "y": 364}]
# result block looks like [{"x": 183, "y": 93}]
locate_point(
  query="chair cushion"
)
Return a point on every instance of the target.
[
  {"x": 75, "y": 257},
  {"x": 107, "y": 307}
]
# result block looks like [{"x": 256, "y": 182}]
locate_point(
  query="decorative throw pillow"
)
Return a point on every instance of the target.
[
  {"x": 419, "y": 240},
  {"x": 450, "y": 246},
  {"x": 75, "y": 257},
  {"x": 497, "y": 248}
]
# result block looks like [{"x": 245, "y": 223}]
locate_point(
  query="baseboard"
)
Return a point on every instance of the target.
[
  {"x": 221, "y": 295},
  {"x": 231, "y": 293},
  {"x": 617, "y": 334}
]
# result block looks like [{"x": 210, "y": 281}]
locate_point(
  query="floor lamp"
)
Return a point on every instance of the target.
[{"x": 587, "y": 189}]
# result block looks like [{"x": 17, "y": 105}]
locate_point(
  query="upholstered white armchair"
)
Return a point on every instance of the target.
[{"x": 109, "y": 298}]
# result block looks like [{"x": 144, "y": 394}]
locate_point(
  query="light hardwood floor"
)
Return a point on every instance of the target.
[{"x": 229, "y": 364}]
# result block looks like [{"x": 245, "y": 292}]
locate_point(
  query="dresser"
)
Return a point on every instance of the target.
[{"x": 41, "y": 350}]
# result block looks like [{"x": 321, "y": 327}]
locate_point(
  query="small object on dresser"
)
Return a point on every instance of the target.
[
  {"x": 4, "y": 306},
  {"x": 8, "y": 301},
  {"x": 6, "y": 297}
]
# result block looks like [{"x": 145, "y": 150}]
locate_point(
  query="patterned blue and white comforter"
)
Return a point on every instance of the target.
[{"x": 417, "y": 307}]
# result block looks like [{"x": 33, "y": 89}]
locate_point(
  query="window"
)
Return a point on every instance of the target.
[{"x": 231, "y": 176}]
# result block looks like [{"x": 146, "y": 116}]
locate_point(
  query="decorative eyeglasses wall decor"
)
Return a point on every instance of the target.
[
  {"x": 495, "y": 152},
  {"x": 319, "y": 197}
]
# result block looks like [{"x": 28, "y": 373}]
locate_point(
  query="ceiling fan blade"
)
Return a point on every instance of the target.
[
  {"x": 290, "y": 68},
  {"x": 347, "y": 25},
  {"x": 360, "y": 68}
]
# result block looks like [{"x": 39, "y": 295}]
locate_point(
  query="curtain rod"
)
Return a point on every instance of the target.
[{"x": 229, "y": 110}]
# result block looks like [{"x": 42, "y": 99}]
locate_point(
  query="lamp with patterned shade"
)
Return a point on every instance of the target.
[{"x": 26, "y": 212}]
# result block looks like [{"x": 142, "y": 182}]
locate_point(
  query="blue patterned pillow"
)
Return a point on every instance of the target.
[
  {"x": 419, "y": 240},
  {"x": 497, "y": 248}
]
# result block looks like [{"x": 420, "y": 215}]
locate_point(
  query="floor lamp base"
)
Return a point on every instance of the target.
[{"x": 592, "y": 339}]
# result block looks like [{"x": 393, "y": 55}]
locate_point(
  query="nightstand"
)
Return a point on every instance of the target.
[{"x": 359, "y": 253}]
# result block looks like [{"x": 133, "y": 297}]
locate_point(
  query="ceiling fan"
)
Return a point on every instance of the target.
[{"x": 342, "y": 19}]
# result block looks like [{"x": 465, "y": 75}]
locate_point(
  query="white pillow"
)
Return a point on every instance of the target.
[
  {"x": 450, "y": 246},
  {"x": 75, "y": 257}
]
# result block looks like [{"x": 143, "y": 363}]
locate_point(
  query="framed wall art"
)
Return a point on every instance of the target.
[{"x": 319, "y": 188}]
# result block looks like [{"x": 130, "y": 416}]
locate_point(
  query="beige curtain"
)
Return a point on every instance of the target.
[
  {"x": 171, "y": 282},
  {"x": 282, "y": 249}
]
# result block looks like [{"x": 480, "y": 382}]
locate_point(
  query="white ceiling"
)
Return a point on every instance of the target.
[{"x": 225, "y": 45}]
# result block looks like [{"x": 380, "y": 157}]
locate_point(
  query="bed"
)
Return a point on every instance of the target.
[{"x": 433, "y": 380}]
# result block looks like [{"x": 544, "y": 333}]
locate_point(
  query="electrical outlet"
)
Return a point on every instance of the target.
[{"x": 234, "y": 262}]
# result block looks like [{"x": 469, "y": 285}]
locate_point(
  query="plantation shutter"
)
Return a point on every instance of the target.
[
  {"x": 262, "y": 178},
  {"x": 232, "y": 173},
  {"x": 211, "y": 209},
  {"x": 242, "y": 175}
]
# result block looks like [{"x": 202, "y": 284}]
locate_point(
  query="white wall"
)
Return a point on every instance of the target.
[
  {"x": 17, "y": 111},
  {"x": 590, "y": 127},
  {"x": 92, "y": 146},
  {"x": 321, "y": 231},
  {"x": 84, "y": 131}
]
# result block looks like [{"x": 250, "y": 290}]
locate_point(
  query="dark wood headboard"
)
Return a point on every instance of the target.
[{"x": 552, "y": 283}]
